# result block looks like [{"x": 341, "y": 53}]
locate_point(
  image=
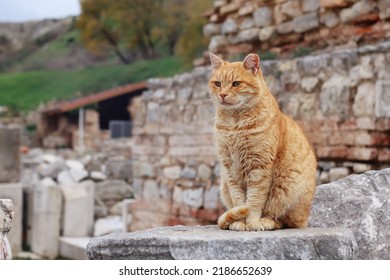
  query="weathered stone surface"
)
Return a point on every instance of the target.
[
  {"x": 309, "y": 83},
  {"x": 113, "y": 190},
  {"x": 6, "y": 215},
  {"x": 53, "y": 169},
  {"x": 108, "y": 225},
  {"x": 192, "y": 197},
  {"x": 335, "y": 91},
  {"x": 246, "y": 23},
  {"x": 229, "y": 26},
  {"x": 333, "y": 3},
  {"x": 9, "y": 154},
  {"x": 78, "y": 214},
  {"x": 210, "y": 242},
  {"x": 362, "y": 204},
  {"x": 384, "y": 9},
  {"x": 217, "y": 42},
  {"x": 249, "y": 35},
  {"x": 329, "y": 18},
  {"x": 266, "y": 33},
  {"x": 306, "y": 22},
  {"x": 211, "y": 29},
  {"x": 338, "y": 173},
  {"x": 382, "y": 98},
  {"x": 310, "y": 5},
  {"x": 358, "y": 9},
  {"x": 291, "y": 8},
  {"x": 363, "y": 105},
  {"x": 14, "y": 192},
  {"x": 172, "y": 172},
  {"x": 263, "y": 16},
  {"x": 46, "y": 221}
]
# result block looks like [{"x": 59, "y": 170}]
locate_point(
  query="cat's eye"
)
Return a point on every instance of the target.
[
  {"x": 217, "y": 83},
  {"x": 236, "y": 83}
]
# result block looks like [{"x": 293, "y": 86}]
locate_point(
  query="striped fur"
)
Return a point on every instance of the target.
[{"x": 267, "y": 164}]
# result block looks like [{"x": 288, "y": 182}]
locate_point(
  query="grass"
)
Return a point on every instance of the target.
[{"x": 24, "y": 91}]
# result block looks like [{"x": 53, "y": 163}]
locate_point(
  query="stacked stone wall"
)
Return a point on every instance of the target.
[
  {"x": 242, "y": 26},
  {"x": 341, "y": 100}
]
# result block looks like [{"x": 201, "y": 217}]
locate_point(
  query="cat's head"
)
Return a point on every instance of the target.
[{"x": 235, "y": 85}]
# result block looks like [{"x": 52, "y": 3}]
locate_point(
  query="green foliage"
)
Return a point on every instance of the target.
[
  {"x": 268, "y": 55},
  {"x": 192, "y": 43},
  {"x": 143, "y": 28},
  {"x": 25, "y": 91},
  {"x": 302, "y": 51}
]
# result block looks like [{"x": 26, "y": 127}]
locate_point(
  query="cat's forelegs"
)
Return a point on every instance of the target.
[
  {"x": 234, "y": 200},
  {"x": 257, "y": 193}
]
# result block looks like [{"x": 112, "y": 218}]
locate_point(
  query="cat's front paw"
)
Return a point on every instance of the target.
[
  {"x": 238, "y": 226},
  {"x": 254, "y": 226},
  {"x": 262, "y": 224}
]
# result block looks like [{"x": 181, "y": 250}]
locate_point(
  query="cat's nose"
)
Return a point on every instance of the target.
[{"x": 222, "y": 95}]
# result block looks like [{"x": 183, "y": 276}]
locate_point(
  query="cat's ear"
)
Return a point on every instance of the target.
[
  {"x": 252, "y": 62},
  {"x": 216, "y": 62}
]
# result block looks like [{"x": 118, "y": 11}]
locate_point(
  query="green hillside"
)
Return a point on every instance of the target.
[{"x": 26, "y": 90}]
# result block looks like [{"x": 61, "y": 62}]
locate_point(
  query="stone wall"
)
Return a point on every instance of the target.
[
  {"x": 9, "y": 154},
  {"x": 340, "y": 99},
  {"x": 242, "y": 26}
]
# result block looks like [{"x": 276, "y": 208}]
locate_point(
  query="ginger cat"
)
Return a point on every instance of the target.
[{"x": 268, "y": 169}]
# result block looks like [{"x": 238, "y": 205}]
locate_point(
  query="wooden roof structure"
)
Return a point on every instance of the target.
[{"x": 67, "y": 106}]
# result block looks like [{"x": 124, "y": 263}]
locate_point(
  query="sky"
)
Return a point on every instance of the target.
[{"x": 26, "y": 10}]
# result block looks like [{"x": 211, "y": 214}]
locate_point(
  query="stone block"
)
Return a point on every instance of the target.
[
  {"x": 359, "y": 203},
  {"x": 172, "y": 172},
  {"x": 6, "y": 216},
  {"x": 46, "y": 221},
  {"x": 73, "y": 248},
  {"x": 192, "y": 197},
  {"x": 365, "y": 154},
  {"x": 382, "y": 98},
  {"x": 285, "y": 27},
  {"x": 263, "y": 16},
  {"x": 329, "y": 18},
  {"x": 9, "y": 154},
  {"x": 266, "y": 33},
  {"x": 150, "y": 190},
  {"x": 384, "y": 9},
  {"x": 112, "y": 191},
  {"x": 119, "y": 169},
  {"x": 211, "y": 197},
  {"x": 229, "y": 26},
  {"x": 204, "y": 172},
  {"x": 305, "y": 22},
  {"x": 338, "y": 173},
  {"x": 246, "y": 23},
  {"x": 210, "y": 242},
  {"x": 363, "y": 105},
  {"x": 309, "y": 83},
  {"x": 334, "y": 97},
  {"x": 358, "y": 9},
  {"x": 108, "y": 225},
  {"x": 248, "y": 35},
  {"x": 14, "y": 191},
  {"x": 211, "y": 29},
  {"x": 334, "y": 3},
  {"x": 217, "y": 42},
  {"x": 310, "y": 5},
  {"x": 78, "y": 210},
  {"x": 291, "y": 8},
  {"x": 53, "y": 169}
]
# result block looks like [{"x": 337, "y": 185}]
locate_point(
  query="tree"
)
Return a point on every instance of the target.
[
  {"x": 192, "y": 43},
  {"x": 99, "y": 26},
  {"x": 143, "y": 28}
]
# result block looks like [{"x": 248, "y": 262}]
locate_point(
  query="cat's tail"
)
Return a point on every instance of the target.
[{"x": 233, "y": 215}]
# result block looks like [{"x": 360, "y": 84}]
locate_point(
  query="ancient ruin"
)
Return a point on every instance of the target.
[{"x": 327, "y": 63}]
